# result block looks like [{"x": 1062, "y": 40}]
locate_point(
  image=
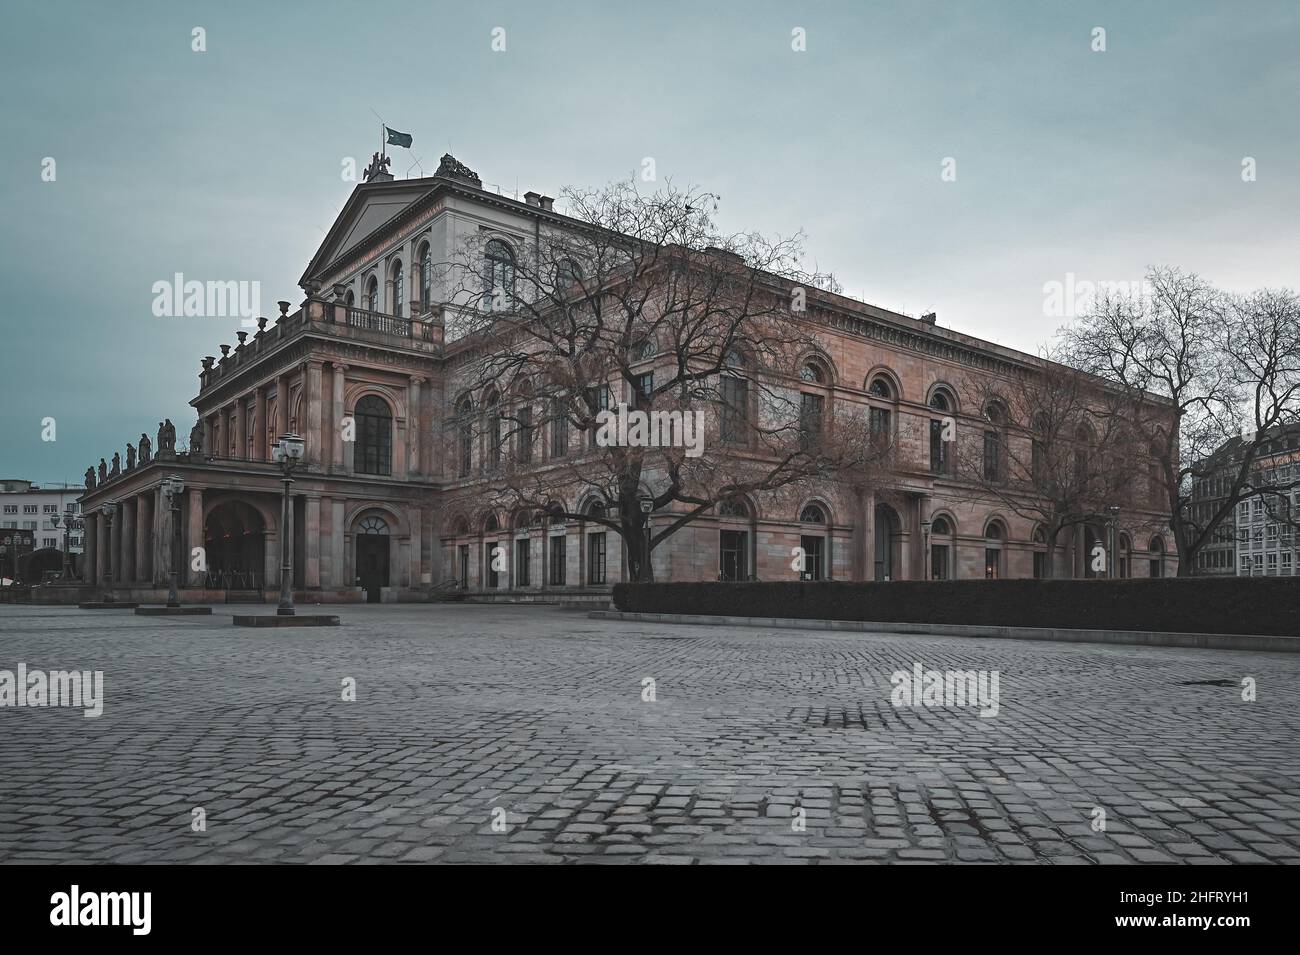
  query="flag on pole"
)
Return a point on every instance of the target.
[{"x": 398, "y": 139}]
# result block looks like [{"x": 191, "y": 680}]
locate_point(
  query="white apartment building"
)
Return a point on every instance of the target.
[{"x": 28, "y": 507}]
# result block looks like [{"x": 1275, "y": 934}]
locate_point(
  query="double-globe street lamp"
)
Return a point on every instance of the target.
[
  {"x": 70, "y": 522},
  {"x": 288, "y": 451},
  {"x": 172, "y": 488}
]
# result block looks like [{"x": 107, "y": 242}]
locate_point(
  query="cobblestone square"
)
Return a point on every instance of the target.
[{"x": 522, "y": 734}]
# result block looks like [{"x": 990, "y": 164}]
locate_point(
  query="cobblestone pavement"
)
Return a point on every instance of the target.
[{"x": 474, "y": 719}]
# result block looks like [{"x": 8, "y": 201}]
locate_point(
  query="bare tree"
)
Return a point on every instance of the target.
[
  {"x": 1053, "y": 451},
  {"x": 638, "y": 304},
  {"x": 1198, "y": 369}
]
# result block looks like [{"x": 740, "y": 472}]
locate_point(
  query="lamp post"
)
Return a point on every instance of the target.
[
  {"x": 172, "y": 488},
  {"x": 1112, "y": 515},
  {"x": 109, "y": 510},
  {"x": 287, "y": 453},
  {"x": 925, "y": 550},
  {"x": 647, "y": 508},
  {"x": 68, "y": 521}
]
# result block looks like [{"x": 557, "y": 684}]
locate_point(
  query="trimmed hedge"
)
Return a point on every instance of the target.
[{"x": 1242, "y": 605}]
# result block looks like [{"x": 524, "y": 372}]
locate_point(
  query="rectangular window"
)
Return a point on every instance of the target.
[
  {"x": 879, "y": 420},
  {"x": 642, "y": 390},
  {"x": 50, "y": 509},
  {"x": 810, "y": 415},
  {"x": 525, "y": 440},
  {"x": 733, "y": 552},
  {"x": 48, "y": 542},
  {"x": 600, "y": 398},
  {"x": 558, "y": 559},
  {"x": 596, "y": 558},
  {"x": 493, "y": 576},
  {"x": 938, "y": 449},
  {"x": 1040, "y": 564},
  {"x": 939, "y": 562},
  {"x": 1156, "y": 567},
  {"x": 465, "y": 429},
  {"x": 11, "y": 508},
  {"x": 559, "y": 429},
  {"x": 992, "y": 456},
  {"x": 522, "y": 556},
  {"x": 812, "y": 557},
  {"x": 735, "y": 409},
  {"x": 462, "y": 571},
  {"x": 1271, "y": 564},
  {"x": 29, "y": 508},
  {"x": 992, "y": 563}
]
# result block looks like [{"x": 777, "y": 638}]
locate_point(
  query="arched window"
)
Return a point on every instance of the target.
[
  {"x": 735, "y": 507},
  {"x": 941, "y": 548},
  {"x": 373, "y": 525},
  {"x": 993, "y": 537},
  {"x": 881, "y": 418},
  {"x": 499, "y": 273},
  {"x": 880, "y": 388},
  {"x": 1157, "y": 559},
  {"x": 812, "y": 543},
  {"x": 942, "y": 434},
  {"x": 426, "y": 276},
  {"x": 813, "y": 372},
  {"x": 812, "y": 514},
  {"x": 464, "y": 436},
  {"x": 399, "y": 289},
  {"x": 372, "y": 294},
  {"x": 373, "y": 447},
  {"x": 350, "y": 299}
]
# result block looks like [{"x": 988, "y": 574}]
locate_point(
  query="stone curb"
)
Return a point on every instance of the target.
[{"x": 1140, "y": 638}]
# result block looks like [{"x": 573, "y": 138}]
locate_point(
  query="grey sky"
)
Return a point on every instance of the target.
[{"x": 225, "y": 165}]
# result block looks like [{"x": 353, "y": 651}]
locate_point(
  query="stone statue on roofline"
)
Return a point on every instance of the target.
[
  {"x": 90, "y": 478},
  {"x": 146, "y": 449},
  {"x": 103, "y": 471},
  {"x": 130, "y": 457},
  {"x": 117, "y": 465},
  {"x": 196, "y": 439}
]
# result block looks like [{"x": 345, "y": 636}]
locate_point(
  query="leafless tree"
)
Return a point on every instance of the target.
[
  {"x": 1052, "y": 452},
  {"x": 1198, "y": 369},
  {"x": 638, "y": 299}
]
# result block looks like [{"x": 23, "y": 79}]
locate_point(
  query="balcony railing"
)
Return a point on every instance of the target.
[{"x": 379, "y": 322}]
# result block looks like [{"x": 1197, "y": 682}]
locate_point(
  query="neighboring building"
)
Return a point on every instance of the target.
[
  {"x": 393, "y": 512},
  {"x": 1260, "y": 539},
  {"x": 28, "y": 506}
]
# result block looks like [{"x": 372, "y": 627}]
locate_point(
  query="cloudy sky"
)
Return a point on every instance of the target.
[{"x": 226, "y": 164}]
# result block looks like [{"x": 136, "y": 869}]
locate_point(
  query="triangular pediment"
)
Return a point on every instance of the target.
[{"x": 370, "y": 206}]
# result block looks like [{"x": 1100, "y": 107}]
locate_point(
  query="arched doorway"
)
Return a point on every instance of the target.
[
  {"x": 234, "y": 544},
  {"x": 372, "y": 556},
  {"x": 889, "y": 540}
]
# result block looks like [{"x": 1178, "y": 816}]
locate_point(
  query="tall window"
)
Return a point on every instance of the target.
[
  {"x": 1040, "y": 553},
  {"x": 939, "y": 456},
  {"x": 810, "y": 416},
  {"x": 733, "y": 544},
  {"x": 941, "y": 549},
  {"x": 596, "y": 557},
  {"x": 499, "y": 273},
  {"x": 495, "y": 425},
  {"x": 567, "y": 274},
  {"x": 373, "y": 448},
  {"x": 524, "y": 441},
  {"x": 600, "y": 398},
  {"x": 464, "y": 435},
  {"x": 559, "y": 429},
  {"x": 993, "y": 551},
  {"x": 558, "y": 559},
  {"x": 523, "y": 553},
  {"x": 399, "y": 289},
  {"x": 372, "y": 294},
  {"x": 491, "y": 553},
  {"x": 993, "y": 443},
  {"x": 813, "y": 544},
  {"x": 462, "y": 565},
  {"x": 735, "y": 409},
  {"x": 426, "y": 276},
  {"x": 1157, "y": 560},
  {"x": 643, "y": 387}
]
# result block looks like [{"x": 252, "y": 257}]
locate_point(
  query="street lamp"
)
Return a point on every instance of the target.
[
  {"x": 1112, "y": 515},
  {"x": 69, "y": 522},
  {"x": 108, "y": 510},
  {"x": 172, "y": 488},
  {"x": 287, "y": 453}
]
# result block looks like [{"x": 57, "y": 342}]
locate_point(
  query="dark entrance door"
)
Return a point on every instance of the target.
[{"x": 372, "y": 564}]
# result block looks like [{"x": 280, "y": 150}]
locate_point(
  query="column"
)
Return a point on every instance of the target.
[
  {"x": 194, "y": 537},
  {"x": 337, "y": 380},
  {"x": 413, "y": 519},
  {"x": 208, "y": 436},
  {"x": 311, "y": 528},
  {"x": 115, "y": 546},
  {"x": 143, "y": 536},
  {"x": 126, "y": 560},
  {"x": 327, "y": 571},
  {"x": 241, "y": 429},
  {"x": 219, "y": 442},
  {"x": 90, "y": 550},
  {"x": 160, "y": 524},
  {"x": 281, "y": 405},
  {"x": 414, "y": 424},
  {"x": 311, "y": 425},
  {"x": 259, "y": 424}
]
